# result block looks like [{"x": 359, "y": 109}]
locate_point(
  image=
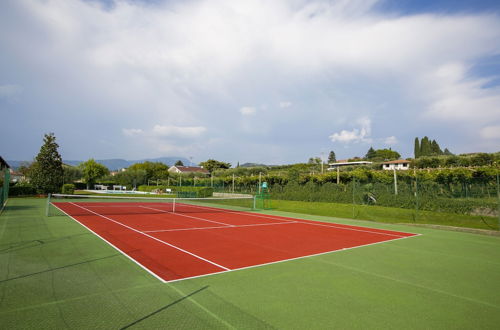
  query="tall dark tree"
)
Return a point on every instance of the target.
[
  {"x": 179, "y": 163},
  {"x": 371, "y": 153},
  {"x": 447, "y": 152},
  {"x": 435, "y": 149},
  {"x": 416, "y": 148},
  {"x": 425, "y": 147},
  {"x": 331, "y": 157},
  {"x": 46, "y": 173}
]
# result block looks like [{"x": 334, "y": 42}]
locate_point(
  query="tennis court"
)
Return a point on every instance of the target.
[
  {"x": 56, "y": 274},
  {"x": 175, "y": 240}
]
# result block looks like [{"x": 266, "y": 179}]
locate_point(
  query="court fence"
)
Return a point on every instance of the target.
[
  {"x": 473, "y": 200},
  {"x": 4, "y": 184}
]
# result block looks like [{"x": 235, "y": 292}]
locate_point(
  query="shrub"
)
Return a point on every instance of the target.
[
  {"x": 68, "y": 188},
  {"x": 181, "y": 191},
  {"x": 22, "y": 190}
]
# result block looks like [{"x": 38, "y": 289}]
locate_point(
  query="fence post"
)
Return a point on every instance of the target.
[
  {"x": 48, "y": 205},
  {"x": 498, "y": 199},
  {"x": 416, "y": 198},
  {"x": 353, "y": 198},
  {"x": 395, "y": 182}
]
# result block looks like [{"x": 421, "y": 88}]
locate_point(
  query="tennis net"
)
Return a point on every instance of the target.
[{"x": 73, "y": 205}]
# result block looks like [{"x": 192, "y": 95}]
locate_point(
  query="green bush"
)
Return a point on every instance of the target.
[
  {"x": 68, "y": 188},
  {"x": 22, "y": 190},
  {"x": 80, "y": 185},
  {"x": 182, "y": 192},
  {"x": 453, "y": 197}
]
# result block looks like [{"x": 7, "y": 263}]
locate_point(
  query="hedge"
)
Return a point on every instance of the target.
[
  {"x": 181, "y": 191},
  {"x": 22, "y": 190}
]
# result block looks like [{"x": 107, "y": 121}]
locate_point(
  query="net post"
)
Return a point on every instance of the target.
[
  {"x": 48, "y": 205},
  {"x": 254, "y": 202}
]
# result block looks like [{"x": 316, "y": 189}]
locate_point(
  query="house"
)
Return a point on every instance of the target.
[
  {"x": 16, "y": 176},
  {"x": 340, "y": 163},
  {"x": 400, "y": 164},
  {"x": 188, "y": 169}
]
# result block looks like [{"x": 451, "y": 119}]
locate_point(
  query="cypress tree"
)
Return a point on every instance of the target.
[
  {"x": 425, "y": 147},
  {"x": 435, "y": 149},
  {"x": 371, "y": 153},
  {"x": 47, "y": 170},
  {"x": 416, "y": 148},
  {"x": 331, "y": 157}
]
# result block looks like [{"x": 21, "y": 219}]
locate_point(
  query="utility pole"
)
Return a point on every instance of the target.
[{"x": 322, "y": 153}]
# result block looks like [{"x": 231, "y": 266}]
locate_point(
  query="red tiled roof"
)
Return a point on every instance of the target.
[{"x": 192, "y": 169}]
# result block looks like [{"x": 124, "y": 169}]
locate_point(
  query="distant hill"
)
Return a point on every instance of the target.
[
  {"x": 114, "y": 164},
  {"x": 253, "y": 165}
]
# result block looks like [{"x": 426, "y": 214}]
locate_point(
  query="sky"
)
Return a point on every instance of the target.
[{"x": 271, "y": 82}]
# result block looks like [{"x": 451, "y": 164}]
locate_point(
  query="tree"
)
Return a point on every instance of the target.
[
  {"x": 331, "y": 157},
  {"x": 385, "y": 154},
  {"x": 435, "y": 149},
  {"x": 179, "y": 163},
  {"x": 416, "y": 148},
  {"x": 71, "y": 173},
  {"x": 371, "y": 153},
  {"x": 131, "y": 178},
  {"x": 447, "y": 152},
  {"x": 46, "y": 173},
  {"x": 314, "y": 161},
  {"x": 212, "y": 165},
  {"x": 425, "y": 147},
  {"x": 154, "y": 170},
  {"x": 92, "y": 170}
]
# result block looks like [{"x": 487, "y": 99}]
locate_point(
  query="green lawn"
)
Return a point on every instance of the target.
[
  {"x": 56, "y": 274},
  {"x": 386, "y": 214}
]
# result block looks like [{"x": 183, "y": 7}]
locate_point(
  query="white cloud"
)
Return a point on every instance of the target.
[
  {"x": 178, "y": 131},
  {"x": 361, "y": 134},
  {"x": 248, "y": 111},
  {"x": 491, "y": 132},
  {"x": 132, "y": 131},
  {"x": 391, "y": 140},
  {"x": 454, "y": 97},
  {"x": 285, "y": 104},
  {"x": 137, "y": 64}
]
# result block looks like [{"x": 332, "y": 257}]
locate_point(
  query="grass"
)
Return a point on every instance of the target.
[
  {"x": 56, "y": 274},
  {"x": 386, "y": 214}
]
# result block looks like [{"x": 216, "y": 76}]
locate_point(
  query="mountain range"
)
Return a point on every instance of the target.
[{"x": 114, "y": 164}]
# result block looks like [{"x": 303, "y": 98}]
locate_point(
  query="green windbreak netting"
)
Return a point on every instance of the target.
[{"x": 4, "y": 188}]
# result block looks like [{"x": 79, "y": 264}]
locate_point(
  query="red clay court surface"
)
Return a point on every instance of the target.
[{"x": 175, "y": 246}]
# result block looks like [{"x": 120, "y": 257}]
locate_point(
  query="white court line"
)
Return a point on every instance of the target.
[
  {"x": 187, "y": 216},
  {"x": 118, "y": 249},
  {"x": 290, "y": 259},
  {"x": 218, "y": 227},
  {"x": 152, "y": 237},
  {"x": 333, "y": 225},
  {"x": 227, "y": 269}
]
